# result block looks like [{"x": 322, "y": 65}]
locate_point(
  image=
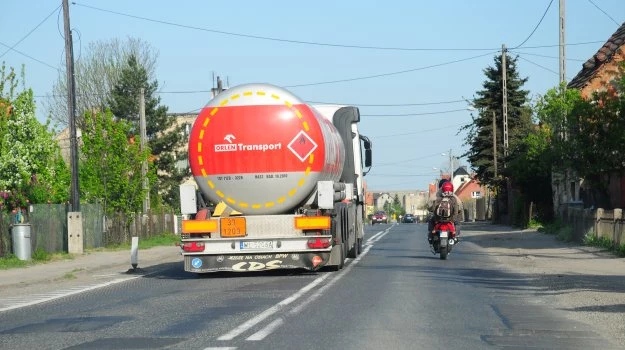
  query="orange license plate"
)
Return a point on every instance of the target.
[{"x": 232, "y": 227}]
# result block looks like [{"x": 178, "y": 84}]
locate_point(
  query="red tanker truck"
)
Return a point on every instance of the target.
[{"x": 288, "y": 180}]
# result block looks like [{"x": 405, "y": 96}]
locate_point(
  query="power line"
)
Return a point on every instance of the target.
[
  {"x": 536, "y": 27},
  {"x": 32, "y": 58},
  {"x": 388, "y": 105},
  {"x": 538, "y": 65},
  {"x": 418, "y": 132},
  {"x": 390, "y": 73},
  {"x": 605, "y": 13},
  {"x": 545, "y": 56},
  {"x": 291, "y": 41},
  {"x": 412, "y": 114},
  {"x": 573, "y": 44},
  {"x": 30, "y": 32}
]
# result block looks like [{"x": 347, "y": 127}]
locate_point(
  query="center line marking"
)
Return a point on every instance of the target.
[
  {"x": 275, "y": 324},
  {"x": 260, "y": 335},
  {"x": 271, "y": 311}
]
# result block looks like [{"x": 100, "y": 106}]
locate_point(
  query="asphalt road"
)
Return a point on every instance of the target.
[{"x": 396, "y": 295}]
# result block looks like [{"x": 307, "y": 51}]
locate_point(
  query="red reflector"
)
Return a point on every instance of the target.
[
  {"x": 316, "y": 260},
  {"x": 318, "y": 243},
  {"x": 193, "y": 247}
]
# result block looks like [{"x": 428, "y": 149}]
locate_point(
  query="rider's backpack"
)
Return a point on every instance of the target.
[{"x": 444, "y": 208}]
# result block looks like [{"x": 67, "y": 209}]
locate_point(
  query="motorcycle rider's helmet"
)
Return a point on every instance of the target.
[{"x": 447, "y": 189}]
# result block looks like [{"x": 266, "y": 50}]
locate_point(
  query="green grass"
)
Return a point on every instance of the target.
[
  {"x": 40, "y": 256},
  {"x": 11, "y": 261},
  {"x": 146, "y": 243},
  {"x": 604, "y": 243}
]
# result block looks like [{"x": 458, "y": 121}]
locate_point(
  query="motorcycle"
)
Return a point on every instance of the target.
[{"x": 443, "y": 238}]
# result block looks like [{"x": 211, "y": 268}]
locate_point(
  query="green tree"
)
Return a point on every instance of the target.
[
  {"x": 31, "y": 167},
  {"x": 480, "y": 132},
  {"x": 110, "y": 171},
  {"x": 165, "y": 138},
  {"x": 587, "y": 135},
  {"x": 531, "y": 165}
]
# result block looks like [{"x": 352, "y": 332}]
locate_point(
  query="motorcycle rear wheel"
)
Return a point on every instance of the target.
[{"x": 443, "y": 252}]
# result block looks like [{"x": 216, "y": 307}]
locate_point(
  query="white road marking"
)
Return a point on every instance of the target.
[
  {"x": 222, "y": 348},
  {"x": 42, "y": 298},
  {"x": 260, "y": 335},
  {"x": 340, "y": 275},
  {"x": 272, "y": 310},
  {"x": 375, "y": 236},
  {"x": 267, "y": 330}
]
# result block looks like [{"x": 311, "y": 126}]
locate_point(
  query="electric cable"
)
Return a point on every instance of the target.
[
  {"x": 412, "y": 114},
  {"x": 30, "y": 32},
  {"x": 545, "y": 56},
  {"x": 28, "y": 56},
  {"x": 390, "y": 73},
  {"x": 291, "y": 41},
  {"x": 605, "y": 13},
  {"x": 536, "y": 27}
]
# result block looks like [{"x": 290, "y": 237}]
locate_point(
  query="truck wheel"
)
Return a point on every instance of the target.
[
  {"x": 341, "y": 263},
  {"x": 353, "y": 252}
]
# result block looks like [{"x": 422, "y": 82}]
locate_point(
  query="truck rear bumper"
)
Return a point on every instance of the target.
[{"x": 256, "y": 261}]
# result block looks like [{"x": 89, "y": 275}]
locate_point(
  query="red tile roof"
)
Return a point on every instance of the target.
[{"x": 604, "y": 55}]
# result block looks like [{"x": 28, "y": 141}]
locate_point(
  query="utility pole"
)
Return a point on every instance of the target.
[
  {"x": 74, "y": 219},
  {"x": 144, "y": 166},
  {"x": 71, "y": 108},
  {"x": 504, "y": 92},
  {"x": 562, "y": 42},
  {"x": 495, "y": 142}
]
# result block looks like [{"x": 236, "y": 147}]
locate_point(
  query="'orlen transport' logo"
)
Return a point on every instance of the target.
[{"x": 235, "y": 147}]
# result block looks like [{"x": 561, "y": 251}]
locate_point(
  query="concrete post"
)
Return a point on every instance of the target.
[
  {"x": 75, "y": 238},
  {"x": 618, "y": 219},
  {"x": 598, "y": 216}
]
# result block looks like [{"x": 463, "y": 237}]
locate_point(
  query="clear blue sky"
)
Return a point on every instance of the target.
[{"x": 406, "y": 148}]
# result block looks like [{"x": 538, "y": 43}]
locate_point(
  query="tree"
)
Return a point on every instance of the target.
[
  {"x": 480, "y": 132},
  {"x": 110, "y": 171},
  {"x": 31, "y": 167},
  {"x": 97, "y": 71},
  {"x": 587, "y": 136},
  {"x": 531, "y": 164},
  {"x": 164, "y": 137}
]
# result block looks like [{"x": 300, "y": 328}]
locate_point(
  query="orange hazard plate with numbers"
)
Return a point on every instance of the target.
[{"x": 232, "y": 227}]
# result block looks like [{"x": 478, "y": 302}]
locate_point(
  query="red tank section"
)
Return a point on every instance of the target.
[{"x": 261, "y": 150}]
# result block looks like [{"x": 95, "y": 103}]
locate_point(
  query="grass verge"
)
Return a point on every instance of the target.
[
  {"x": 605, "y": 243},
  {"x": 40, "y": 256}
]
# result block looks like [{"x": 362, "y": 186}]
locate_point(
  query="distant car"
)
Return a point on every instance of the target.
[
  {"x": 409, "y": 219},
  {"x": 379, "y": 217}
]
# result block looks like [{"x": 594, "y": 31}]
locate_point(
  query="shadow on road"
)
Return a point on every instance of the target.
[{"x": 175, "y": 271}]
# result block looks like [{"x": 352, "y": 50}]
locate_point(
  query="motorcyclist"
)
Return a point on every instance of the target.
[{"x": 446, "y": 190}]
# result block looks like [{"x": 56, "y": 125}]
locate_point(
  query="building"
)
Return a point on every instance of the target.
[{"x": 598, "y": 74}]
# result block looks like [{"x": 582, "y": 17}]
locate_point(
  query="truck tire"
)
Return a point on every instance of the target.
[{"x": 341, "y": 263}]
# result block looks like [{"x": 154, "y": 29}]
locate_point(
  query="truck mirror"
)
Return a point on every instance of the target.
[{"x": 368, "y": 155}]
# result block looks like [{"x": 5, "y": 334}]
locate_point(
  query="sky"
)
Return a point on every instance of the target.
[{"x": 409, "y": 66}]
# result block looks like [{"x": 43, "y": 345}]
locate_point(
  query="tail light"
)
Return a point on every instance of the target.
[
  {"x": 318, "y": 243},
  {"x": 192, "y": 247}
]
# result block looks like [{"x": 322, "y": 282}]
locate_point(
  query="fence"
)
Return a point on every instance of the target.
[
  {"x": 49, "y": 227},
  {"x": 600, "y": 223}
]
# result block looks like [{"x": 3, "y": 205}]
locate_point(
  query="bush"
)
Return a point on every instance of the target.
[
  {"x": 41, "y": 255},
  {"x": 565, "y": 234}
]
